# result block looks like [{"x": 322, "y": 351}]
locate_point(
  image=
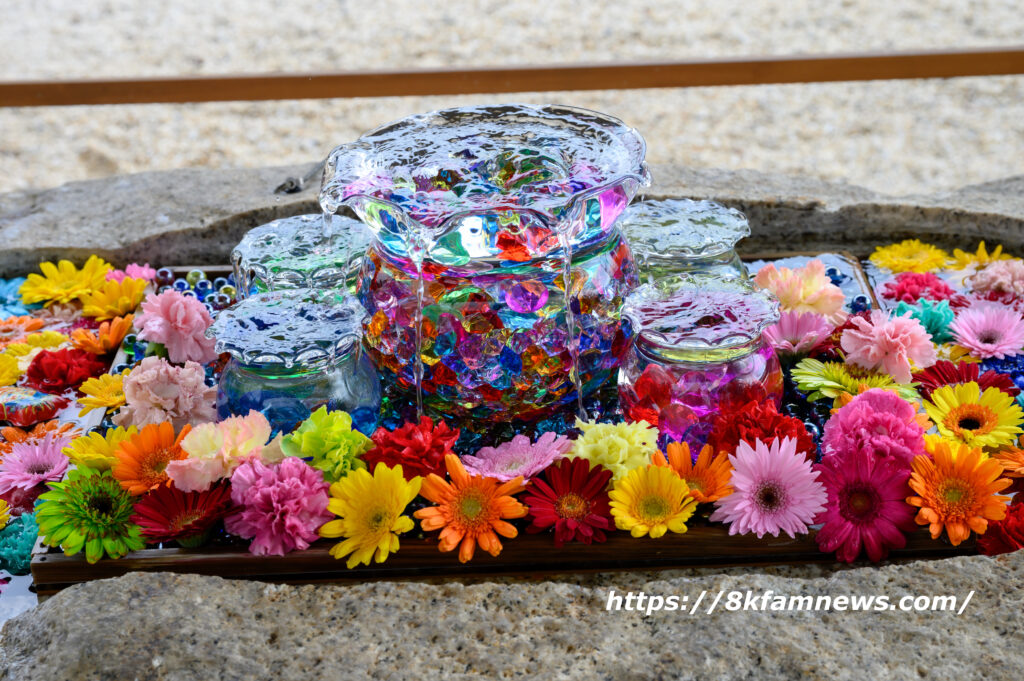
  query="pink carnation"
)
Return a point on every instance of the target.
[
  {"x": 135, "y": 271},
  {"x": 180, "y": 323},
  {"x": 215, "y": 450},
  {"x": 888, "y": 344},
  {"x": 1001, "y": 276},
  {"x": 798, "y": 332},
  {"x": 33, "y": 463},
  {"x": 909, "y": 287},
  {"x": 518, "y": 457},
  {"x": 804, "y": 289},
  {"x": 877, "y": 421},
  {"x": 157, "y": 391},
  {"x": 283, "y": 505}
]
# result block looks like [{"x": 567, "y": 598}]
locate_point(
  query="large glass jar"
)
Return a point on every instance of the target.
[
  {"x": 496, "y": 278},
  {"x": 698, "y": 345},
  {"x": 292, "y": 352}
]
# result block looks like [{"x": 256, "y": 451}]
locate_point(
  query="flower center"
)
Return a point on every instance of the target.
[
  {"x": 989, "y": 337},
  {"x": 378, "y": 520},
  {"x": 858, "y": 503},
  {"x": 38, "y": 469},
  {"x": 471, "y": 506},
  {"x": 695, "y": 483},
  {"x": 971, "y": 419},
  {"x": 653, "y": 508},
  {"x": 955, "y": 495},
  {"x": 101, "y": 503},
  {"x": 572, "y": 505},
  {"x": 769, "y": 496}
]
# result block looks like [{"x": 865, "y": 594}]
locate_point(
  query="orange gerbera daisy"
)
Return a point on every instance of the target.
[
  {"x": 105, "y": 339},
  {"x": 1012, "y": 461},
  {"x": 470, "y": 509},
  {"x": 143, "y": 458},
  {"x": 17, "y": 329},
  {"x": 13, "y": 435},
  {"x": 708, "y": 478},
  {"x": 956, "y": 490}
]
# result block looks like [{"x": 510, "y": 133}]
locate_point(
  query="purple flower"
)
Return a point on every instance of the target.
[
  {"x": 519, "y": 457},
  {"x": 32, "y": 463}
]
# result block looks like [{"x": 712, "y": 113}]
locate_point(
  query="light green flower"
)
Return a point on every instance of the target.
[{"x": 327, "y": 438}]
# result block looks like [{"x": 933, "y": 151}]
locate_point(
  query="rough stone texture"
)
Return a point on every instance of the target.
[
  {"x": 186, "y": 217},
  {"x": 164, "y": 626}
]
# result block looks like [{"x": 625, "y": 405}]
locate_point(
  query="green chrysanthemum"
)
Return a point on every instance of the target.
[
  {"x": 89, "y": 510},
  {"x": 831, "y": 379},
  {"x": 327, "y": 437},
  {"x": 935, "y": 317}
]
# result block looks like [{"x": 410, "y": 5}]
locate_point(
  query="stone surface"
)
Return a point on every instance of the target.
[
  {"x": 186, "y": 217},
  {"x": 163, "y": 626}
]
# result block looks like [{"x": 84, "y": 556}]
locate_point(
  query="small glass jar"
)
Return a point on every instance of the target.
[
  {"x": 683, "y": 236},
  {"x": 303, "y": 251},
  {"x": 698, "y": 344},
  {"x": 293, "y": 352}
]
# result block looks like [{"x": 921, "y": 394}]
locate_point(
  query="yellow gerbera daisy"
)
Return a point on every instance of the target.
[
  {"x": 651, "y": 500},
  {"x": 986, "y": 420},
  {"x": 63, "y": 282},
  {"x": 370, "y": 511},
  {"x": 114, "y": 299},
  {"x": 106, "y": 392},
  {"x": 10, "y": 372},
  {"x": 911, "y": 255},
  {"x": 964, "y": 259},
  {"x": 97, "y": 451}
]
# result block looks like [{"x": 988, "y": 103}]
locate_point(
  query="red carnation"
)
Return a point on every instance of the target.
[
  {"x": 571, "y": 495},
  {"x": 168, "y": 514},
  {"x": 945, "y": 372},
  {"x": 910, "y": 286},
  {"x": 56, "y": 371},
  {"x": 758, "y": 420},
  {"x": 1006, "y": 535},
  {"x": 419, "y": 448}
]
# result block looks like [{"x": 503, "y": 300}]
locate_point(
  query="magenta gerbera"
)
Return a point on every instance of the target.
[
  {"x": 518, "y": 457},
  {"x": 774, "y": 489},
  {"x": 866, "y": 506},
  {"x": 32, "y": 463},
  {"x": 889, "y": 344},
  {"x": 989, "y": 330},
  {"x": 876, "y": 421},
  {"x": 283, "y": 505},
  {"x": 572, "y": 497},
  {"x": 798, "y": 332}
]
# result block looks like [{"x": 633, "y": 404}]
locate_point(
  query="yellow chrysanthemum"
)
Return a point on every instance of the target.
[
  {"x": 114, "y": 299},
  {"x": 48, "y": 340},
  {"x": 955, "y": 353},
  {"x": 103, "y": 392},
  {"x": 964, "y": 259},
  {"x": 63, "y": 282},
  {"x": 911, "y": 255},
  {"x": 619, "y": 447},
  {"x": 370, "y": 511},
  {"x": 651, "y": 501},
  {"x": 23, "y": 353},
  {"x": 5, "y": 514},
  {"x": 10, "y": 372},
  {"x": 98, "y": 451},
  {"x": 986, "y": 420}
]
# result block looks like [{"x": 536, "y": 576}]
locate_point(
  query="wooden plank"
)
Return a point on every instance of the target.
[{"x": 575, "y": 77}]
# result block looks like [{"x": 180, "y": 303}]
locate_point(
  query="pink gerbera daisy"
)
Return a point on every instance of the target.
[
  {"x": 518, "y": 457},
  {"x": 774, "y": 489},
  {"x": 866, "y": 506},
  {"x": 798, "y": 332},
  {"x": 989, "y": 330},
  {"x": 32, "y": 463},
  {"x": 889, "y": 344}
]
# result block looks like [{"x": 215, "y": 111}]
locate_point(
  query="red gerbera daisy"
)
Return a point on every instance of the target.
[
  {"x": 419, "y": 448},
  {"x": 572, "y": 496},
  {"x": 945, "y": 372},
  {"x": 758, "y": 420},
  {"x": 1006, "y": 535},
  {"x": 168, "y": 514}
]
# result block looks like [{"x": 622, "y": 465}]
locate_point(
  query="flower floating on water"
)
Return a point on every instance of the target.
[
  {"x": 990, "y": 330},
  {"x": 10, "y": 370},
  {"x": 55, "y": 371},
  {"x": 804, "y": 289},
  {"x": 157, "y": 391},
  {"x": 1001, "y": 276},
  {"x": 470, "y": 510},
  {"x": 989, "y": 419},
  {"x": 215, "y": 450},
  {"x": 889, "y": 344},
  {"x": 619, "y": 447},
  {"x": 370, "y": 509},
  {"x": 104, "y": 392},
  {"x": 1006, "y": 535},
  {"x": 12, "y": 435},
  {"x": 104, "y": 340},
  {"x": 935, "y": 317},
  {"x": 572, "y": 497},
  {"x": 167, "y": 514},
  {"x": 283, "y": 505},
  {"x": 866, "y": 508},
  {"x": 98, "y": 450},
  {"x": 910, "y": 256},
  {"x": 327, "y": 437},
  {"x": 945, "y": 372},
  {"x": 135, "y": 271},
  {"x": 18, "y": 329},
  {"x": 878, "y": 422},
  {"x": 142, "y": 458},
  {"x": 179, "y": 323},
  {"x": 31, "y": 464},
  {"x": 518, "y": 457},
  {"x": 957, "y": 491},
  {"x": 651, "y": 500},
  {"x": 89, "y": 510},
  {"x": 774, "y": 490},
  {"x": 707, "y": 477},
  {"x": 114, "y": 299},
  {"x": 964, "y": 259},
  {"x": 419, "y": 448},
  {"x": 63, "y": 282},
  {"x": 908, "y": 287},
  {"x": 758, "y": 420},
  {"x": 797, "y": 333}
]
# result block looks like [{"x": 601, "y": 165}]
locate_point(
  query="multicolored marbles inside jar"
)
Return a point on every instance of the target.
[{"x": 698, "y": 345}]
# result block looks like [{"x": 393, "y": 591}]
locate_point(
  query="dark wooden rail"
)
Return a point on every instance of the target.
[{"x": 744, "y": 71}]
